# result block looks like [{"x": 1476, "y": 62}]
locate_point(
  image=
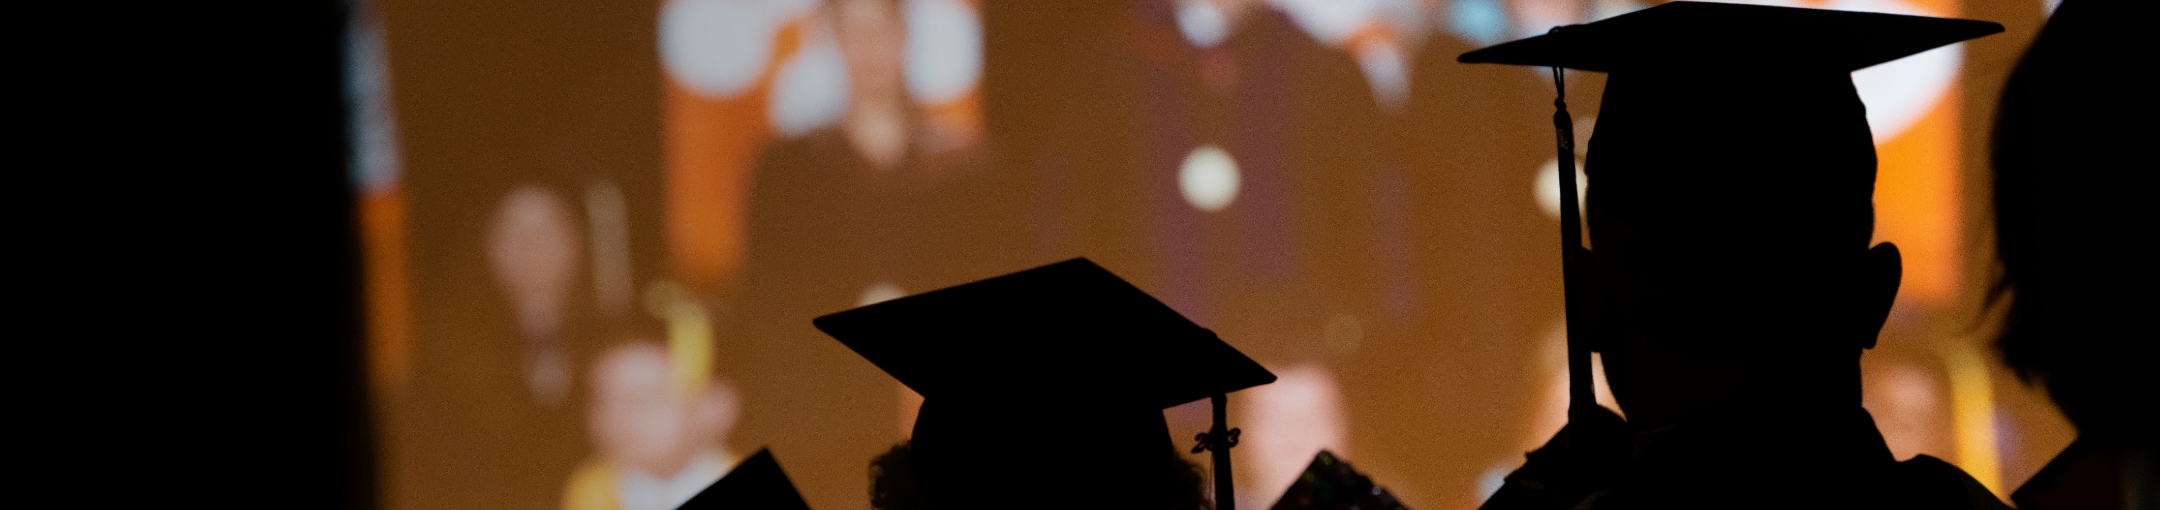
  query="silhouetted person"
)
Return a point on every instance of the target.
[
  {"x": 1045, "y": 389},
  {"x": 2077, "y": 302},
  {"x": 1734, "y": 288}
]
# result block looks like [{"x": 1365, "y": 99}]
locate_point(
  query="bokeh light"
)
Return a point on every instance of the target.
[{"x": 1209, "y": 178}]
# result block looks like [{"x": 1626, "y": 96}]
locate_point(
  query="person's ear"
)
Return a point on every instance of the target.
[{"x": 1879, "y": 285}]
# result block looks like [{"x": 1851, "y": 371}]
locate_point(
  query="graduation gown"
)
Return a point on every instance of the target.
[{"x": 1755, "y": 456}]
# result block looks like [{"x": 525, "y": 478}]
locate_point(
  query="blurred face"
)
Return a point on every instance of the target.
[
  {"x": 532, "y": 246},
  {"x": 639, "y": 417},
  {"x": 872, "y": 37},
  {"x": 1288, "y": 421}
]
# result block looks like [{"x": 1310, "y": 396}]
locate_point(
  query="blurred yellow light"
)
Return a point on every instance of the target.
[
  {"x": 1972, "y": 407},
  {"x": 689, "y": 334}
]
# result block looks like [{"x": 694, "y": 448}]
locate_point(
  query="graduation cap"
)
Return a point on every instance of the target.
[
  {"x": 756, "y": 483},
  {"x": 1704, "y": 34},
  {"x": 1329, "y": 483},
  {"x": 1051, "y": 377},
  {"x": 1718, "y": 115},
  {"x": 1731, "y": 124}
]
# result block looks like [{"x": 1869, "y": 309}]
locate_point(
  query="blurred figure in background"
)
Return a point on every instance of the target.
[
  {"x": 871, "y": 205},
  {"x": 659, "y": 436},
  {"x": 745, "y": 74},
  {"x": 2079, "y": 298},
  {"x": 867, "y": 200},
  {"x": 532, "y": 245}
]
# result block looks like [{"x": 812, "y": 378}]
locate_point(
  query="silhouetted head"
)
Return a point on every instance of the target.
[
  {"x": 1045, "y": 388},
  {"x": 1731, "y": 237},
  {"x": 2071, "y": 196},
  {"x": 1731, "y": 197}
]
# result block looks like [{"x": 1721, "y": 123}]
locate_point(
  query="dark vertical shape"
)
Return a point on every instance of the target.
[
  {"x": 305, "y": 269},
  {"x": 253, "y": 271},
  {"x": 1220, "y": 439},
  {"x": 1581, "y": 390}
]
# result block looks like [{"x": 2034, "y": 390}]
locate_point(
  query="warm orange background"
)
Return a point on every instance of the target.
[{"x": 492, "y": 94}]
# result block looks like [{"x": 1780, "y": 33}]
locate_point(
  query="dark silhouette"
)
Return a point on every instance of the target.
[
  {"x": 893, "y": 485},
  {"x": 1331, "y": 484},
  {"x": 2073, "y": 323},
  {"x": 892, "y": 481},
  {"x": 1730, "y": 285},
  {"x": 1045, "y": 388},
  {"x": 756, "y": 483}
]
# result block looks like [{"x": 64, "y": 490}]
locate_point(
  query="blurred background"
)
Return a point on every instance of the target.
[{"x": 594, "y": 233}]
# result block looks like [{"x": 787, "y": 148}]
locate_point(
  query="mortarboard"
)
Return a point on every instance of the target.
[
  {"x": 756, "y": 483},
  {"x": 1695, "y": 34},
  {"x": 1065, "y": 365},
  {"x": 1329, "y": 483},
  {"x": 1755, "y": 100},
  {"x": 1732, "y": 124}
]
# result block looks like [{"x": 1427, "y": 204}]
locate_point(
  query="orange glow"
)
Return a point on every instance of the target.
[
  {"x": 712, "y": 147},
  {"x": 1972, "y": 406},
  {"x": 1404, "y": 253},
  {"x": 954, "y": 124},
  {"x": 1917, "y": 190},
  {"x": 1947, "y": 8},
  {"x": 389, "y": 295}
]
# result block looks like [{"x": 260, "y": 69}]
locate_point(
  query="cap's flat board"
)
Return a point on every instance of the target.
[
  {"x": 1065, "y": 332},
  {"x": 1697, "y": 34}
]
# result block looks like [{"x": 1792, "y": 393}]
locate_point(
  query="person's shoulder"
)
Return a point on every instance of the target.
[
  {"x": 2092, "y": 474},
  {"x": 1928, "y": 482}
]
